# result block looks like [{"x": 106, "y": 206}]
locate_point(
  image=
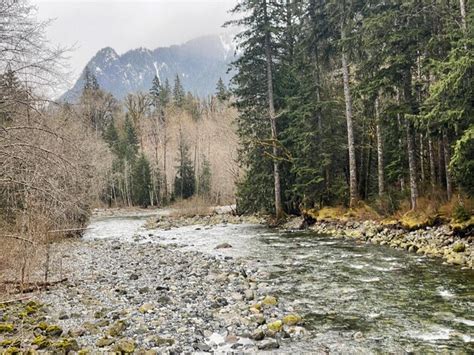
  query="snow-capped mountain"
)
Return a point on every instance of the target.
[{"x": 199, "y": 63}]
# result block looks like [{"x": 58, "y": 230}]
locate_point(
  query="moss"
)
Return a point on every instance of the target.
[
  {"x": 103, "y": 342},
  {"x": 54, "y": 330},
  {"x": 269, "y": 301},
  {"x": 415, "y": 220},
  {"x": 462, "y": 226},
  {"x": 326, "y": 214},
  {"x": 6, "y": 342},
  {"x": 41, "y": 325},
  {"x": 116, "y": 328},
  {"x": 275, "y": 326},
  {"x": 41, "y": 342},
  {"x": 146, "y": 308},
  {"x": 126, "y": 346},
  {"x": 292, "y": 319},
  {"x": 7, "y": 327},
  {"x": 83, "y": 352},
  {"x": 459, "y": 247},
  {"x": 12, "y": 350},
  {"x": 67, "y": 345},
  {"x": 30, "y": 308}
]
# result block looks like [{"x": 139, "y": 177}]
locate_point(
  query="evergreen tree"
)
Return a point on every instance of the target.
[
  {"x": 255, "y": 94},
  {"x": 141, "y": 178},
  {"x": 155, "y": 92},
  {"x": 222, "y": 93},
  {"x": 184, "y": 183},
  {"x": 130, "y": 144},
  {"x": 204, "y": 180},
  {"x": 178, "y": 92}
]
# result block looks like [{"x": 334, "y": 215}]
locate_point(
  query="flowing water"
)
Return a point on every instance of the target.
[{"x": 355, "y": 298}]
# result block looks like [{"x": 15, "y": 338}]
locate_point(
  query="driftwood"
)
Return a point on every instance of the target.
[
  {"x": 28, "y": 287},
  {"x": 13, "y": 236},
  {"x": 21, "y": 299},
  {"x": 68, "y": 230}
]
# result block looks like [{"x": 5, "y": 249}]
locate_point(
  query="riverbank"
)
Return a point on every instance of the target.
[
  {"x": 148, "y": 298},
  {"x": 444, "y": 241},
  {"x": 436, "y": 242}
]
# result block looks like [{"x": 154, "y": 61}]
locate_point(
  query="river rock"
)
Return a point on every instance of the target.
[
  {"x": 459, "y": 247},
  {"x": 126, "y": 346},
  {"x": 268, "y": 344},
  {"x": 223, "y": 246},
  {"x": 249, "y": 295},
  {"x": 291, "y": 319},
  {"x": 269, "y": 301}
]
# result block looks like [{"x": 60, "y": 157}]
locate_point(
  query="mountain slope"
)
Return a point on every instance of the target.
[{"x": 199, "y": 63}]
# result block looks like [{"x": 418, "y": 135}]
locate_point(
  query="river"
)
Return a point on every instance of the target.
[{"x": 353, "y": 297}]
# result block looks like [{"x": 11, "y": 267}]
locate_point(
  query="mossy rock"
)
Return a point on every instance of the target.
[
  {"x": 41, "y": 326},
  {"x": 456, "y": 259},
  {"x": 327, "y": 214},
  {"x": 32, "y": 307},
  {"x": 7, "y": 327},
  {"x": 117, "y": 328},
  {"x": 66, "y": 345},
  {"x": 10, "y": 343},
  {"x": 146, "y": 308},
  {"x": 54, "y": 330},
  {"x": 462, "y": 227},
  {"x": 414, "y": 220},
  {"x": 275, "y": 326},
  {"x": 126, "y": 346},
  {"x": 12, "y": 350},
  {"x": 292, "y": 319},
  {"x": 41, "y": 342},
  {"x": 103, "y": 342},
  {"x": 459, "y": 247},
  {"x": 159, "y": 341},
  {"x": 269, "y": 301}
]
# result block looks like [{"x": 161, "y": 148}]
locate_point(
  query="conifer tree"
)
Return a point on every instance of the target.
[
  {"x": 141, "y": 178},
  {"x": 222, "y": 93},
  {"x": 178, "y": 92},
  {"x": 184, "y": 183},
  {"x": 204, "y": 179}
]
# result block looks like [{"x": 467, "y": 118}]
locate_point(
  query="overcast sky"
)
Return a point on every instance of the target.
[{"x": 91, "y": 25}]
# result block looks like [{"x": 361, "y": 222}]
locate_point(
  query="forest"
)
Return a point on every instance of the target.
[
  {"x": 359, "y": 104},
  {"x": 320, "y": 202},
  {"x": 353, "y": 101}
]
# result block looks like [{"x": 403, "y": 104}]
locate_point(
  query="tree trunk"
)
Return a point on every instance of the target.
[
  {"x": 350, "y": 129},
  {"x": 401, "y": 149},
  {"x": 432, "y": 163},
  {"x": 462, "y": 4},
  {"x": 447, "y": 159},
  {"x": 412, "y": 166},
  {"x": 165, "y": 152},
  {"x": 422, "y": 158},
  {"x": 440, "y": 162},
  {"x": 271, "y": 111},
  {"x": 380, "y": 163}
]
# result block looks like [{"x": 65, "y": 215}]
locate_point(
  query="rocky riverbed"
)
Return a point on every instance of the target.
[
  {"x": 436, "y": 242},
  {"x": 149, "y": 298}
]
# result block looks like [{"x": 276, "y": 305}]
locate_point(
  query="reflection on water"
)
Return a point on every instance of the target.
[{"x": 355, "y": 297}]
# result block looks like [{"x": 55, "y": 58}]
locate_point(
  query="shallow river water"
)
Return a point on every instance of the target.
[{"x": 354, "y": 297}]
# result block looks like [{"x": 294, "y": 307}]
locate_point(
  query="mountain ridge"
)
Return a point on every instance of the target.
[{"x": 199, "y": 62}]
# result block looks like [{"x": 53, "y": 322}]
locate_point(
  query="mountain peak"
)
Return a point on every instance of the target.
[{"x": 200, "y": 62}]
